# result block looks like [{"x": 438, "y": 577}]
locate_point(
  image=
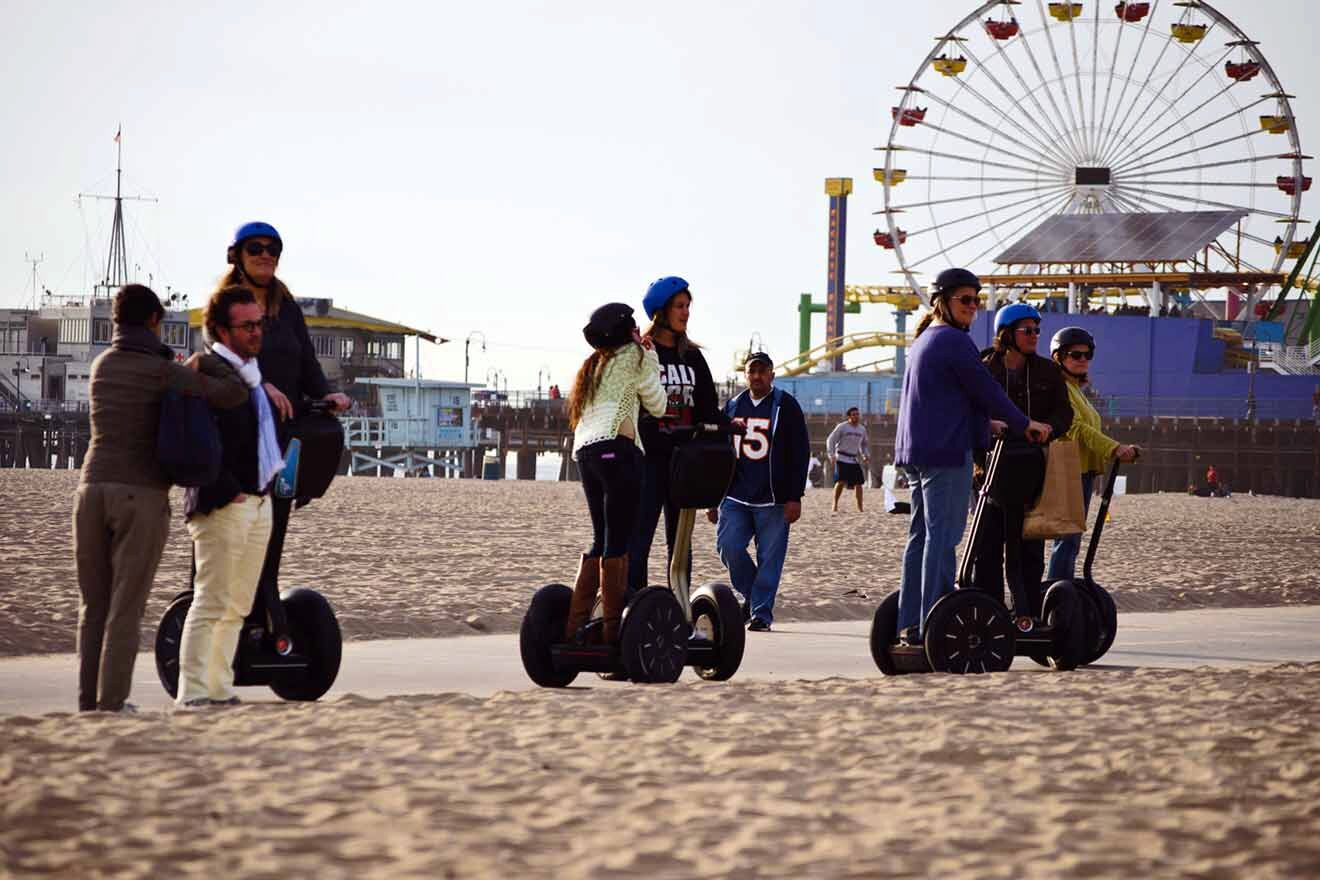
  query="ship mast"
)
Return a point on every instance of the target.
[{"x": 116, "y": 263}]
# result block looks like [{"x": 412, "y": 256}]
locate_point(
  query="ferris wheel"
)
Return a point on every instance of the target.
[{"x": 1024, "y": 111}]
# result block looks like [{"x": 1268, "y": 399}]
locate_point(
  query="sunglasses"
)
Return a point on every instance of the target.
[
  {"x": 1030, "y": 331},
  {"x": 967, "y": 299},
  {"x": 247, "y": 326},
  {"x": 1081, "y": 355},
  {"x": 256, "y": 249}
]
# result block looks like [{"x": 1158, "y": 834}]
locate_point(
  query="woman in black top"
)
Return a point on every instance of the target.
[
  {"x": 290, "y": 371},
  {"x": 692, "y": 400}
]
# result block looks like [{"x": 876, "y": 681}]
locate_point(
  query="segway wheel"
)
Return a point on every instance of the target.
[
  {"x": 169, "y": 641},
  {"x": 1063, "y": 611},
  {"x": 543, "y": 626},
  {"x": 884, "y": 632},
  {"x": 316, "y": 637},
  {"x": 1107, "y": 619},
  {"x": 967, "y": 631},
  {"x": 654, "y": 637},
  {"x": 717, "y": 614}
]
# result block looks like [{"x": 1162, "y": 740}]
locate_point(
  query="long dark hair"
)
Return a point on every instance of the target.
[{"x": 587, "y": 381}]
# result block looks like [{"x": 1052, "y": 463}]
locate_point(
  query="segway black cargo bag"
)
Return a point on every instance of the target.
[
  {"x": 700, "y": 472},
  {"x": 322, "y": 439}
]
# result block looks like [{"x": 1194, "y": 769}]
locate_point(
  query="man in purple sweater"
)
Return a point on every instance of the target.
[{"x": 948, "y": 399}]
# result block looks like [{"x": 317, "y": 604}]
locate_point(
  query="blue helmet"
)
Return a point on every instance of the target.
[
  {"x": 252, "y": 230},
  {"x": 661, "y": 291},
  {"x": 1011, "y": 314}
]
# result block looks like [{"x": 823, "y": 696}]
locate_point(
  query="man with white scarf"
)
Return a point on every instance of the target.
[{"x": 230, "y": 519}]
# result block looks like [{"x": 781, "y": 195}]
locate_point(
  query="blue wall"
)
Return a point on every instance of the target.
[
  {"x": 1169, "y": 366},
  {"x": 836, "y": 392}
]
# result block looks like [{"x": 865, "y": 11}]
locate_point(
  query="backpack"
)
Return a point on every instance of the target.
[{"x": 187, "y": 440}]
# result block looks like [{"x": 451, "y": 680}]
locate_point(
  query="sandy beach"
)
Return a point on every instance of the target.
[
  {"x": 402, "y": 558},
  {"x": 1118, "y": 773}
]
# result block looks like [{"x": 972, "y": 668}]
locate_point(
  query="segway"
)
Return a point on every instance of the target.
[
  {"x": 290, "y": 641},
  {"x": 1100, "y": 612},
  {"x": 971, "y": 631},
  {"x": 663, "y": 629}
]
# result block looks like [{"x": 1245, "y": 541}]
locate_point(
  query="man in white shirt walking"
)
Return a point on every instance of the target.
[{"x": 849, "y": 454}]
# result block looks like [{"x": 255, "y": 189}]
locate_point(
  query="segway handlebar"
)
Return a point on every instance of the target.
[{"x": 1100, "y": 517}]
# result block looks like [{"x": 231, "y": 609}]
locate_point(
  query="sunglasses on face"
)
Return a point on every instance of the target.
[
  {"x": 967, "y": 299},
  {"x": 1030, "y": 331},
  {"x": 1081, "y": 355},
  {"x": 247, "y": 326},
  {"x": 256, "y": 249}
]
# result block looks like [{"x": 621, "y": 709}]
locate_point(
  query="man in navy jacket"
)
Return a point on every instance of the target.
[{"x": 766, "y": 495}]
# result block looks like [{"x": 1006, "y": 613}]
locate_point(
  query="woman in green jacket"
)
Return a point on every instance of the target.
[{"x": 1074, "y": 349}]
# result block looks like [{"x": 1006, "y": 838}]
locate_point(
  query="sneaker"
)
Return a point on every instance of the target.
[
  {"x": 193, "y": 704},
  {"x": 910, "y": 636},
  {"x": 232, "y": 701},
  {"x": 757, "y": 625}
]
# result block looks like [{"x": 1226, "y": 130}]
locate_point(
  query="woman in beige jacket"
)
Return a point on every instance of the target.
[{"x": 621, "y": 375}]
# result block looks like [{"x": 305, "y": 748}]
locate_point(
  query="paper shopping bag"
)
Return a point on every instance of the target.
[{"x": 1059, "y": 511}]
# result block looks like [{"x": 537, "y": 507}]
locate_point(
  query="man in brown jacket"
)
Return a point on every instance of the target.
[{"x": 121, "y": 514}]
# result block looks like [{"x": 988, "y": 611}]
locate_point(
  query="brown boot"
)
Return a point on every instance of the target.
[
  {"x": 584, "y": 595},
  {"x": 613, "y": 589}
]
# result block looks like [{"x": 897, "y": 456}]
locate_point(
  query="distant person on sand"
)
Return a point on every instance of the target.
[
  {"x": 121, "y": 515},
  {"x": 290, "y": 370},
  {"x": 690, "y": 390},
  {"x": 765, "y": 498},
  {"x": 230, "y": 519},
  {"x": 1073, "y": 349},
  {"x": 947, "y": 395},
  {"x": 621, "y": 375},
  {"x": 1212, "y": 480},
  {"x": 850, "y": 453}
]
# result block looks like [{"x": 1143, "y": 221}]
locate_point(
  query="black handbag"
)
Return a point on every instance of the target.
[{"x": 187, "y": 440}]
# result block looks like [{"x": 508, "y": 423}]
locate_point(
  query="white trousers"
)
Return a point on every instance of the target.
[{"x": 230, "y": 547}]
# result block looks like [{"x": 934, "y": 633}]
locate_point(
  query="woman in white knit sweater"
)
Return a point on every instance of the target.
[{"x": 621, "y": 375}]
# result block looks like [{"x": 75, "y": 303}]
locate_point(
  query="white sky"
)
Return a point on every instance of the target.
[{"x": 502, "y": 167}]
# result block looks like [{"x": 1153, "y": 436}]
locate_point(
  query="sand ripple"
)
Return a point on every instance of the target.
[{"x": 1111, "y": 773}]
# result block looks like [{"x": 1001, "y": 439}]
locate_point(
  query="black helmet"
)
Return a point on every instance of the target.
[
  {"x": 610, "y": 326},
  {"x": 1071, "y": 336},
  {"x": 952, "y": 279}
]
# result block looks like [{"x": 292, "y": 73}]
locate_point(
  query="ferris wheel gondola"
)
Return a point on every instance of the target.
[{"x": 1026, "y": 110}]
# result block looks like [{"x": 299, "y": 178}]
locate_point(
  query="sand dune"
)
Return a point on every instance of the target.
[
  {"x": 401, "y": 558},
  {"x": 1116, "y": 773}
]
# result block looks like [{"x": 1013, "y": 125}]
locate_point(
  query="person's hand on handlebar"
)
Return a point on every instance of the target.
[
  {"x": 997, "y": 428},
  {"x": 279, "y": 401},
  {"x": 1038, "y": 432},
  {"x": 339, "y": 400},
  {"x": 1127, "y": 453}
]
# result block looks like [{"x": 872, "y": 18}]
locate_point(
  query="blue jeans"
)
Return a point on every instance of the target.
[
  {"x": 939, "y": 515},
  {"x": 1063, "y": 556},
  {"x": 757, "y": 582}
]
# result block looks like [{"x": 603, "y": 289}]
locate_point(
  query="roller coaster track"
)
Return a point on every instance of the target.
[{"x": 804, "y": 362}]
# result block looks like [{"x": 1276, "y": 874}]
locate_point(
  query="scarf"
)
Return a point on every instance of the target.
[{"x": 269, "y": 459}]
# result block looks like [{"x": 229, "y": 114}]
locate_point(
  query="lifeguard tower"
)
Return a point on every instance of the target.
[{"x": 424, "y": 424}]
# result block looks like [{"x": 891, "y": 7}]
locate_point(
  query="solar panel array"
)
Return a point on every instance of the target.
[{"x": 1120, "y": 238}]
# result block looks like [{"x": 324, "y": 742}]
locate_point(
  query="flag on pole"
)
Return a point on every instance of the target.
[{"x": 118, "y": 132}]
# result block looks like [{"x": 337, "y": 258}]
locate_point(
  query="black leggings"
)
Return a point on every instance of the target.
[
  {"x": 655, "y": 497},
  {"x": 990, "y": 559},
  {"x": 612, "y": 480}
]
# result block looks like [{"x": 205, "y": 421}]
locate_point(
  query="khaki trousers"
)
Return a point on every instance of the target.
[
  {"x": 119, "y": 533},
  {"x": 230, "y": 546}
]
